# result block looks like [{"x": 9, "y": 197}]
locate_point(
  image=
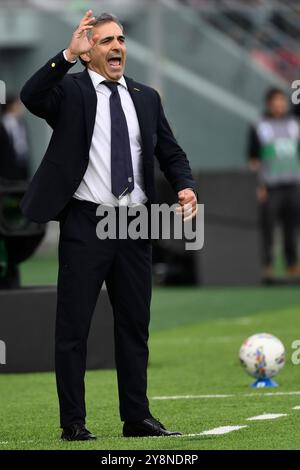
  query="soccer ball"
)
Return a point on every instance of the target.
[{"x": 262, "y": 355}]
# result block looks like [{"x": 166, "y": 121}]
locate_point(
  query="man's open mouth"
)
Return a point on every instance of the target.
[{"x": 115, "y": 62}]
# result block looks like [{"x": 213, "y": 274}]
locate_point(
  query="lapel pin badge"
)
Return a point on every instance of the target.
[{"x": 137, "y": 89}]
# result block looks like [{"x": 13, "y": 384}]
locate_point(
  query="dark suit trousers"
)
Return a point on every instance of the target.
[
  {"x": 85, "y": 262},
  {"x": 282, "y": 205}
]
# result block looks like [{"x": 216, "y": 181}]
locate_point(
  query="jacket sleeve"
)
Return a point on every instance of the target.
[
  {"x": 172, "y": 159},
  {"x": 42, "y": 93}
]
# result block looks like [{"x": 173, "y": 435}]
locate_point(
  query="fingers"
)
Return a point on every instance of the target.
[
  {"x": 191, "y": 216},
  {"x": 81, "y": 39},
  {"x": 186, "y": 195},
  {"x": 87, "y": 17},
  {"x": 186, "y": 200},
  {"x": 187, "y": 210},
  {"x": 79, "y": 31},
  {"x": 181, "y": 195},
  {"x": 184, "y": 207},
  {"x": 86, "y": 20}
]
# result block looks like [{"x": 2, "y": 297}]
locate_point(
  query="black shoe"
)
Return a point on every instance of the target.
[
  {"x": 147, "y": 427},
  {"x": 77, "y": 432}
]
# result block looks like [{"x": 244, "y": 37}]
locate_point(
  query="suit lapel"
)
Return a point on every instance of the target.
[
  {"x": 90, "y": 102},
  {"x": 140, "y": 105}
]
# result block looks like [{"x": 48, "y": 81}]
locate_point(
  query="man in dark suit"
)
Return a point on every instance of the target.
[
  {"x": 14, "y": 148},
  {"x": 106, "y": 130}
]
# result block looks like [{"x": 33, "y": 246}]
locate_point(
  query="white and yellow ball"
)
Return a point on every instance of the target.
[{"x": 262, "y": 355}]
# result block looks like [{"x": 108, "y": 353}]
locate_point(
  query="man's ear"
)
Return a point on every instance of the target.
[{"x": 86, "y": 57}]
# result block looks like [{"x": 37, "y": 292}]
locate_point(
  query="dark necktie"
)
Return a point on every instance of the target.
[{"x": 122, "y": 181}]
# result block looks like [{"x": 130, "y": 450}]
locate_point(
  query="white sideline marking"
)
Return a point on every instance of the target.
[
  {"x": 222, "y": 430},
  {"x": 271, "y": 394},
  {"x": 193, "y": 397},
  {"x": 188, "y": 397},
  {"x": 19, "y": 442},
  {"x": 296, "y": 407},
  {"x": 267, "y": 416},
  {"x": 211, "y": 432}
]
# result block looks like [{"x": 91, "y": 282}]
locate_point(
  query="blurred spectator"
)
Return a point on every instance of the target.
[
  {"x": 13, "y": 167},
  {"x": 274, "y": 154},
  {"x": 286, "y": 24},
  {"x": 14, "y": 159},
  {"x": 267, "y": 30}
]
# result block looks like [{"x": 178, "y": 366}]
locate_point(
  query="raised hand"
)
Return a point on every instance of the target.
[{"x": 81, "y": 42}]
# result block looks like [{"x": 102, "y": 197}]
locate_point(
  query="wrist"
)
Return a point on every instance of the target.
[{"x": 70, "y": 56}]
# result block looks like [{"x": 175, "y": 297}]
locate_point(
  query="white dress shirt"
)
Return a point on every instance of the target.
[{"x": 96, "y": 183}]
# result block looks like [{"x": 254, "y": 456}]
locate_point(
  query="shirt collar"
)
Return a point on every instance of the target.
[{"x": 97, "y": 79}]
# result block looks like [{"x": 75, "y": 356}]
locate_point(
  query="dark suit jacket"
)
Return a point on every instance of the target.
[{"x": 68, "y": 102}]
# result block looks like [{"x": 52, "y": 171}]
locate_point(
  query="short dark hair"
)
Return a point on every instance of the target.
[
  {"x": 272, "y": 92},
  {"x": 102, "y": 19}
]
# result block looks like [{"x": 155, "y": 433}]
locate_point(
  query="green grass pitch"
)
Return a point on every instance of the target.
[{"x": 195, "y": 338}]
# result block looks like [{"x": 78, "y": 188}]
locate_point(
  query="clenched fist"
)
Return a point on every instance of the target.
[{"x": 188, "y": 204}]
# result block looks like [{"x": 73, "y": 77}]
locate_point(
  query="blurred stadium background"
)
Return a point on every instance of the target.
[{"x": 212, "y": 61}]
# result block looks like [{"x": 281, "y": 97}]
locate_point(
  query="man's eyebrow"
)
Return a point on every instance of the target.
[{"x": 111, "y": 37}]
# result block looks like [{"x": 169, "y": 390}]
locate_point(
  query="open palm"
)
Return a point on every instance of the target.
[{"x": 81, "y": 42}]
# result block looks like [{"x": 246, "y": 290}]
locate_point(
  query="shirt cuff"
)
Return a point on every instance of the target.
[{"x": 65, "y": 56}]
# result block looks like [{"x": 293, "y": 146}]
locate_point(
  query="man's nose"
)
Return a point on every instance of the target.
[{"x": 116, "y": 45}]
